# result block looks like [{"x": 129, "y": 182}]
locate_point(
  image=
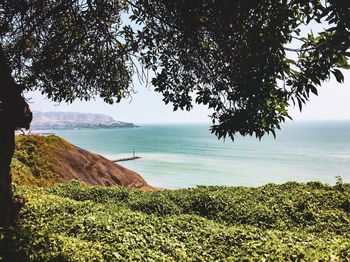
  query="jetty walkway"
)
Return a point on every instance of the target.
[{"x": 127, "y": 159}]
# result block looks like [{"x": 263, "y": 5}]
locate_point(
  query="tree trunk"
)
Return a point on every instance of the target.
[
  {"x": 7, "y": 146},
  {"x": 7, "y": 140}
]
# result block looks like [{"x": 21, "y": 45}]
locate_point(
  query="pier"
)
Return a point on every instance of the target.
[
  {"x": 127, "y": 159},
  {"x": 134, "y": 157}
]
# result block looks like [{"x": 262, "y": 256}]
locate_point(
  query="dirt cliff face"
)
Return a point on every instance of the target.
[{"x": 43, "y": 161}]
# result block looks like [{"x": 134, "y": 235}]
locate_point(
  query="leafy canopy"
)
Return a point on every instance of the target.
[
  {"x": 67, "y": 49},
  {"x": 236, "y": 57}
]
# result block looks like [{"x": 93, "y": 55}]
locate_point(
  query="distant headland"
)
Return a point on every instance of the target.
[{"x": 74, "y": 120}]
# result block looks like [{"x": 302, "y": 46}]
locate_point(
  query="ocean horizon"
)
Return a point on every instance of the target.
[{"x": 186, "y": 155}]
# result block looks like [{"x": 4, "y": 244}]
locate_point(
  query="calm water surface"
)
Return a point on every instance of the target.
[{"x": 181, "y": 156}]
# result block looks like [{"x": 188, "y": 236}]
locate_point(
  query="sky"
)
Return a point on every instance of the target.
[
  {"x": 332, "y": 102},
  {"x": 146, "y": 106}
]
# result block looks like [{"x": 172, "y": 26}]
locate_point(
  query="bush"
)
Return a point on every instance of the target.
[{"x": 76, "y": 222}]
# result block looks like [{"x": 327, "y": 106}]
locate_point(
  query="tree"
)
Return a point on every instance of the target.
[
  {"x": 66, "y": 49},
  {"x": 236, "y": 58},
  {"x": 233, "y": 56}
]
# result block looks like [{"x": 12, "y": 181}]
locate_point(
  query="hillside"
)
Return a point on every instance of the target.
[
  {"x": 45, "y": 160},
  {"x": 69, "y": 120}
]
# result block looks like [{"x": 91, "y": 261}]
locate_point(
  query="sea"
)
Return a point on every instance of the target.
[{"x": 186, "y": 155}]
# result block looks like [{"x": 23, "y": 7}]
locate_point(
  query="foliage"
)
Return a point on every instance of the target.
[
  {"x": 315, "y": 206},
  {"x": 77, "y": 222},
  {"x": 235, "y": 56},
  {"x": 66, "y": 49},
  {"x": 232, "y": 56}
]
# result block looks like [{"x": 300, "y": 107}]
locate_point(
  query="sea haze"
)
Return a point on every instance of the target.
[{"x": 181, "y": 156}]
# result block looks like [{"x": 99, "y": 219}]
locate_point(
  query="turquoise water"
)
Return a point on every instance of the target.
[{"x": 181, "y": 156}]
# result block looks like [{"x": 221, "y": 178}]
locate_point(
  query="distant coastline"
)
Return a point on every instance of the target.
[
  {"x": 73, "y": 120},
  {"x": 82, "y": 126}
]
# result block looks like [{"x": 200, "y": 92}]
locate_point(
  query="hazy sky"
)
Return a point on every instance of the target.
[{"x": 332, "y": 103}]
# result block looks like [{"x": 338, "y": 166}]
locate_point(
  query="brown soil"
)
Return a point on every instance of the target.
[
  {"x": 77, "y": 163},
  {"x": 70, "y": 162}
]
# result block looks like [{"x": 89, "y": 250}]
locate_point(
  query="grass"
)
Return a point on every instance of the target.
[{"x": 34, "y": 162}]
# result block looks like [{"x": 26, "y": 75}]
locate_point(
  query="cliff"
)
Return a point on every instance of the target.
[
  {"x": 69, "y": 120},
  {"x": 42, "y": 161}
]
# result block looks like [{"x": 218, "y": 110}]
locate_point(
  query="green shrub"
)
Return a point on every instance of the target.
[
  {"x": 77, "y": 222},
  {"x": 155, "y": 203}
]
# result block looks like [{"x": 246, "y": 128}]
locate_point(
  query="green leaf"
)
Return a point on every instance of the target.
[
  {"x": 343, "y": 62},
  {"x": 338, "y": 75},
  {"x": 313, "y": 89}
]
